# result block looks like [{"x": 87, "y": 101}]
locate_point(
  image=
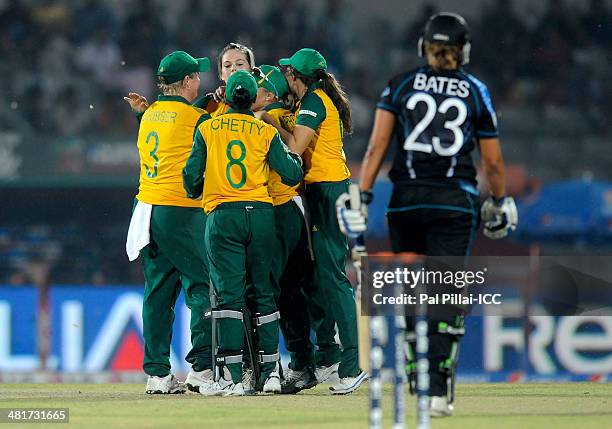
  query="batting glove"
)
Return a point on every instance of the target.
[
  {"x": 500, "y": 217},
  {"x": 352, "y": 220}
]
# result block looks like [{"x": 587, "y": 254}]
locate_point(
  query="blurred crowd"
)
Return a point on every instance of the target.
[
  {"x": 69, "y": 253},
  {"x": 66, "y": 63}
]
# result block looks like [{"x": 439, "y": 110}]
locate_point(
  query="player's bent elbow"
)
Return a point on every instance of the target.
[
  {"x": 193, "y": 187},
  {"x": 294, "y": 178},
  {"x": 194, "y": 195}
]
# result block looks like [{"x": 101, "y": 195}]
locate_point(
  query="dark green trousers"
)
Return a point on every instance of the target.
[
  {"x": 293, "y": 268},
  {"x": 239, "y": 243},
  {"x": 334, "y": 292},
  {"x": 174, "y": 260}
]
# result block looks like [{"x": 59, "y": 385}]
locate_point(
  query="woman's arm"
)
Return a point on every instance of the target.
[
  {"x": 193, "y": 172},
  {"x": 287, "y": 164},
  {"x": 298, "y": 141},
  {"x": 493, "y": 166},
  {"x": 384, "y": 121}
]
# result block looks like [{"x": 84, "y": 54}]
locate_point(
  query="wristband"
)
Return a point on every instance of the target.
[{"x": 367, "y": 196}]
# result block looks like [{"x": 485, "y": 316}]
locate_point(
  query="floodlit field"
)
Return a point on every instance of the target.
[{"x": 497, "y": 406}]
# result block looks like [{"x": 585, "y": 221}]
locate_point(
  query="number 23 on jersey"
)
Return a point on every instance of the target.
[{"x": 453, "y": 124}]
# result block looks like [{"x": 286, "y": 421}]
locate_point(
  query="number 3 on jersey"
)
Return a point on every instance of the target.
[
  {"x": 236, "y": 161},
  {"x": 152, "y": 171},
  {"x": 453, "y": 125}
]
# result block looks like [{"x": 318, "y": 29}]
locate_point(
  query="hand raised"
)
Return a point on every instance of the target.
[{"x": 137, "y": 102}]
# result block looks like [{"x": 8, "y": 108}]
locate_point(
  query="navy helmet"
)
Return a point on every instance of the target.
[{"x": 450, "y": 29}]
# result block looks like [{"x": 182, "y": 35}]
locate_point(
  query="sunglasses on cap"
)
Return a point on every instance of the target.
[{"x": 262, "y": 77}]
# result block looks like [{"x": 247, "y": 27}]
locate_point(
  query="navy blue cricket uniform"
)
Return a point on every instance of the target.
[
  {"x": 439, "y": 118},
  {"x": 434, "y": 208}
]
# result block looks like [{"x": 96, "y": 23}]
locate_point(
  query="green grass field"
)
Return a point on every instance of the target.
[{"x": 478, "y": 406}]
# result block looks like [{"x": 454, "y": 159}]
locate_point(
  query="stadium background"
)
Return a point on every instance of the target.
[{"x": 69, "y": 299}]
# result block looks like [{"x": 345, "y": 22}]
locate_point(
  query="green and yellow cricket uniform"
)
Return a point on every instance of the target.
[
  {"x": 326, "y": 177},
  {"x": 293, "y": 269},
  {"x": 280, "y": 192},
  {"x": 237, "y": 151},
  {"x": 175, "y": 256}
]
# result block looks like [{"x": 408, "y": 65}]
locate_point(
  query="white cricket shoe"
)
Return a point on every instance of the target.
[
  {"x": 164, "y": 385},
  {"x": 439, "y": 407},
  {"x": 327, "y": 373},
  {"x": 248, "y": 382},
  {"x": 224, "y": 386},
  {"x": 197, "y": 380},
  {"x": 348, "y": 385},
  {"x": 273, "y": 382},
  {"x": 232, "y": 389}
]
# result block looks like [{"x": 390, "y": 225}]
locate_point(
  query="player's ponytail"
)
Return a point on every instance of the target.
[
  {"x": 242, "y": 99},
  {"x": 333, "y": 89},
  {"x": 288, "y": 100},
  {"x": 443, "y": 57}
]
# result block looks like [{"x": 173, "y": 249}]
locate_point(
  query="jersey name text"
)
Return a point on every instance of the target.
[
  {"x": 159, "y": 116},
  {"x": 442, "y": 85},
  {"x": 235, "y": 124}
]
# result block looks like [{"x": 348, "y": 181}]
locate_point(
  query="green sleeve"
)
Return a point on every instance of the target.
[
  {"x": 205, "y": 116},
  {"x": 139, "y": 115},
  {"x": 193, "y": 173},
  {"x": 288, "y": 165},
  {"x": 203, "y": 101},
  {"x": 312, "y": 111}
]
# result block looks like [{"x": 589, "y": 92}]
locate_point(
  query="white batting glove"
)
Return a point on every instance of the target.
[
  {"x": 352, "y": 220},
  {"x": 499, "y": 216}
]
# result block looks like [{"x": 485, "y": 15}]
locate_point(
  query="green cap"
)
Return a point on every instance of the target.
[
  {"x": 175, "y": 66},
  {"x": 306, "y": 61},
  {"x": 272, "y": 79},
  {"x": 240, "y": 79}
]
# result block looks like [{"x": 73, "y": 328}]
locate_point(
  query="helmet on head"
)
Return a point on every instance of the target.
[{"x": 449, "y": 29}]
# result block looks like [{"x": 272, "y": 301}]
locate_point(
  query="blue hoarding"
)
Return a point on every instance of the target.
[{"x": 95, "y": 329}]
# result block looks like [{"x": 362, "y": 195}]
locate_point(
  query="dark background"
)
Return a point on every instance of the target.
[{"x": 68, "y": 159}]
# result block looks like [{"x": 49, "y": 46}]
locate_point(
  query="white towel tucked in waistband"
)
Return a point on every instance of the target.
[
  {"x": 298, "y": 200},
  {"x": 138, "y": 234}
]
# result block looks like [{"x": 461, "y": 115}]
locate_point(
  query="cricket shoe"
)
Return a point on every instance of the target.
[
  {"x": 273, "y": 382},
  {"x": 296, "y": 381},
  {"x": 223, "y": 387},
  {"x": 348, "y": 385},
  {"x": 197, "y": 380},
  {"x": 164, "y": 385},
  {"x": 219, "y": 387},
  {"x": 327, "y": 373},
  {"x": 440, "y": 407},
  {"x": 248, "y": 381},
  {"x": 234, "y": 389}
]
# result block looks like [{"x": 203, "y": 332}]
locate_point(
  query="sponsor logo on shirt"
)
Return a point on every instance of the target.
[{"x": 308, "y": 112}]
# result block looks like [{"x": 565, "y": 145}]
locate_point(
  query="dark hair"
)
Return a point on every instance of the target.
[
  {"x": 443, "y": 54},
  {"x": 333, "y": 89},
  {"x": 242, "y": 99},
  {"x": 288, "y": 101},
  {"x": 248, "y": 53}
]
